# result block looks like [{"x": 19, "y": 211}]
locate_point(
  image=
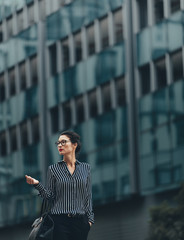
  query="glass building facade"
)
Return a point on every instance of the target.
[{"x": 112, "y": 71}]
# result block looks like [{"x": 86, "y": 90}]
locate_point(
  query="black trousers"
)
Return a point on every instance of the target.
[{"x": 70, "y": 228}]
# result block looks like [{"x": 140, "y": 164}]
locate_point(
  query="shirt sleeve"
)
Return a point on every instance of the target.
[
  {"x": 49, "y": 191},
  {"x": 88, "y": 201}
]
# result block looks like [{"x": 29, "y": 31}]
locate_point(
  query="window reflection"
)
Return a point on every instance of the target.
[
  {"x": 161, "y": 106},
  {"x": 175, "y": 5},
  {"x": 9, "y": 27},
  {"x": 12, "y": 84},
  {"x": 106, "y": 97},
  {"x": 160, "y": 68},
  {"x": 178, "y": 135},
  {"x": 92, "y": 99},
  {"x": 20, "y": 21},
  {"x": 104, "y": 33},
  {"x": 22, "y": 73},
  {"x": 54, "y": 116},
  {"x": 176, "y": 96},
  {"x": 163, "y": 174},
  {"x": 13, "y": 139},
  {"x": 3, "y": 142},
  {"x": 67, "y": 114},
  {"x": 53, "y": 59},
  {"x": 109, "y": 190},
  {"x": 35, "y": 129},
  {"x": 91, "y": 39},
  {"x": 143, "y": 13},
  {"x": 31, "y": 14},
  {"x": 78, "y": 47},
  {"x": 158, "y": 10},
  {"x": 1, "y": 33},
  {"x": 34, "y": 69},
  {"x": 120, "y": 91},
  {"x": 144, "y": 72},
  {"x": 42, "y": 9},
  {"x": 177, "y": 65},
  {"x": 80, "y": 109},
  {"x": 125, "y": 185},
  {"x": 2, "y": 88},
  {"x": 24, "y": 134},
  {"x": 118, "y": 25},
  {"x": 65, "y": 53},
  {"x": 97, "y": 198}
]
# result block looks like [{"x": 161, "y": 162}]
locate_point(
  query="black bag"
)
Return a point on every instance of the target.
[{"x": 44, "y": 225}]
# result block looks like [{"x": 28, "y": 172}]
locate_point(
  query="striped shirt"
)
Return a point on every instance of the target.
[{"x": 71, "y": 193}]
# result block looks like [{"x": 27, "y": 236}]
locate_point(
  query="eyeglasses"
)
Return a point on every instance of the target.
[{"x": 63, "y": 142}]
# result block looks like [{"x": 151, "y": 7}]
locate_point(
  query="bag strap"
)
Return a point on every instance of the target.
[{"x": 46, "y": 206}]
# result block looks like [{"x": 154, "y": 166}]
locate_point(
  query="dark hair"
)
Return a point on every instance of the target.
[{"x": 74, "y": 138}]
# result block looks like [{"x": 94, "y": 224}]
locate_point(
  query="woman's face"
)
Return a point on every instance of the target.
[{"x": 65, "y": 146}]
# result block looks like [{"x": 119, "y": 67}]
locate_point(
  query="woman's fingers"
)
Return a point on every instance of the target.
[{"x": 31, "y": 180}]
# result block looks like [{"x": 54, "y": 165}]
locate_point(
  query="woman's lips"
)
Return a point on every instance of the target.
[{"x": 60, "y": 150}]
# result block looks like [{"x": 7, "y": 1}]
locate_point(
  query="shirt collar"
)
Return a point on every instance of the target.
[{"x": 77, "y": 162}]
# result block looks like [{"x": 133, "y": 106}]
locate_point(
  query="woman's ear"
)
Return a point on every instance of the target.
[{"x": 75, "y": 145}]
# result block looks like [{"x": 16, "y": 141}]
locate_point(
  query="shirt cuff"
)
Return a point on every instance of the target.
[{"x": 38, "y": 186}]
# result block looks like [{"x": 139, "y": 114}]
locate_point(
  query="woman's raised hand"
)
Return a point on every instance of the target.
[{"x": 31, "y": 180}]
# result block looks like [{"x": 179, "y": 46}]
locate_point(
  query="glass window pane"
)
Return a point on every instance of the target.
[
  {"x": 31, "y": 14},
  {"x": 67, "y": 115},
  {"x": 1, "y": 33},
  {"x": 22, "y": 73},
  {"x": 178, "y": 150},
  {"x": 118, "y": 26},
  {"x": 3, "y": 142},
  {"x": 80, "y": 109},
  {"x": 164, "y": 174},
  {"x": 109, "y": 190},
  {"x": 175, "y": 5},
  {"x": 11, "y": 76},
  {"x": 35, "y": 129},
  {"x": 42, "y": 8},
  {"x": 13, "y": 139},
  {"x": 158, "y": 10},
  {"x": 163, "y": 140},
  {"x": 146, "y": 112},
  {"x": 178, "y": 135},
  {"x": 20, "y": 21},
  {"x": 91, "y": 39},
  {"x": 34, "y": 70},
  {"x": 2, "y": 88},
  {"x": 78, "y": 47},
  {"x": 93, "y": 107},
  {"x": 175, "y": 31},
  {"x": 159, "y": 40},
  {"x": 54, "y": 115},
  {"x": 24, "y": 134},
  {"x": 9, "y": 27},
  {"x": 120, "y": 91},
  {"x": 144, "y": 46},
  {"x": 161, "y": 106},
  {"x": 161, "y": 77},
  {"x": 106, "y": 97},
  {"x": 65, "y": 53},
  {"x": 145, "y": 79},
  {"x": 53, "y": 59},
  {"x": 104, "y": 33},
  {"x": 147, "y": 172},
  {"x": 143, "y": 13},
  {"x": 176, "y": 96},
  {"x": 177, "y": 65},
  {"x": 147, "y": 144}
]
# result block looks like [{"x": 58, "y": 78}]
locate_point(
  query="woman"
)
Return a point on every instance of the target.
[{"x": 69, "y": 186}]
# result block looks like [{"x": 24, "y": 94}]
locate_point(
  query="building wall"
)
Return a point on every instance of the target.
[{"x": 110, "y": 70}]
